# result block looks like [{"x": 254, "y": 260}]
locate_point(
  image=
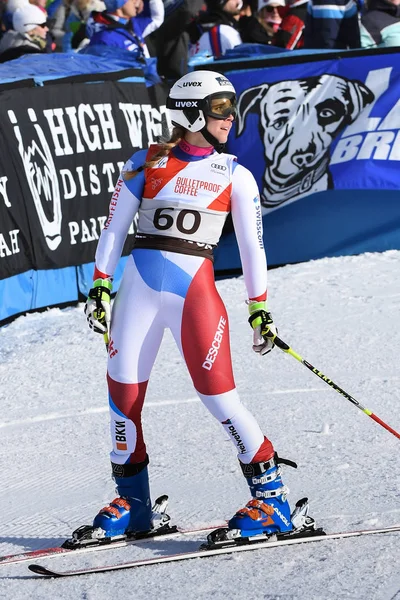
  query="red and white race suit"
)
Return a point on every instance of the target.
[{"x": 168, "y": 282}]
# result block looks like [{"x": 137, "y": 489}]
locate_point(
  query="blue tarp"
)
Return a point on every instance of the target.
[
  {"x": 97, "y": 59},
  {"x": 237, "y": 56},
  {"x": 105, "y": 59}
]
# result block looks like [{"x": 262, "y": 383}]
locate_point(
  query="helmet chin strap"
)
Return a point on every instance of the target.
[{"x": 212, "y": 140}]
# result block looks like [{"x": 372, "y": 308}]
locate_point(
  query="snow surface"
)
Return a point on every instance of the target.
[{"x": 340, "y": 314}]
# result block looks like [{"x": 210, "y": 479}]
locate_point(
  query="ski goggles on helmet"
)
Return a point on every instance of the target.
[{"x": 220, "y": 105}]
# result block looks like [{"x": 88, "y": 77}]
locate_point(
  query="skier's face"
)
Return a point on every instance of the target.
[{"x": 220, "y": 128}]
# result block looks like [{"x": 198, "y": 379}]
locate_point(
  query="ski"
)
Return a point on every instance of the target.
[
  {"x": 203, "y": 553},
  {"x": 58, "y": 550},
  {"x": 86, "y": 538}
]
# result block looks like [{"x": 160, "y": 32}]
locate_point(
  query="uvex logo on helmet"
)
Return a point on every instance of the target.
[
  {"x": 192, "y": 84},
  {"x": 186, "y": 104}
]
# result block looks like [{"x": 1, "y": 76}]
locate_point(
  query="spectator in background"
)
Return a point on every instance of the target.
[
  {"x": 171, "y": 40},
  {"x": 269, "y": 16},
  {"x": 332, "y": 24},
  {"x": 216, "y": 30},
  {"x": 70, "y": 19},
  {"x": 380, "y": 25},
  {"x": 118, "y": 26},
  {"x": 290, "y": 34},
  {"x": 261, "y": 27},
  {"x": 28, "y": 36}
]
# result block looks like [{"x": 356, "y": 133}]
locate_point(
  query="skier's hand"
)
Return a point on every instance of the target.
[
  {"x": 98, "y": 307},
  {"x": 264, "y": 329}
]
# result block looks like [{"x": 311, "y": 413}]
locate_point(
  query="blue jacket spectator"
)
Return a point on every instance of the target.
[
  {"x": 121, "y": 26},
  {"x": 380, "y": 25},
  {"x": 332, "y": 24}
]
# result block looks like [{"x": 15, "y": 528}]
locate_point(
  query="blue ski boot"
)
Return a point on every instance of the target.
[
  {"x": 131, "y": 512},
  {"x": 268, "y": 511}
]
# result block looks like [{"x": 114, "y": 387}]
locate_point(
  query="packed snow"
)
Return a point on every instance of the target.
[{"x": 340, "y": 314}]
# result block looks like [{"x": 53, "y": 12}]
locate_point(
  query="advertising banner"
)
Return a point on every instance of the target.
[
  {"x": 61, "y": 151},
  {"x": 307, "y": 127}
]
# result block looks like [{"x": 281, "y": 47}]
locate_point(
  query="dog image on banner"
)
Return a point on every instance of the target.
[{"x": 299, "y": 119}]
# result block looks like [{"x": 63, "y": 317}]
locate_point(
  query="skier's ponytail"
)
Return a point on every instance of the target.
[{"x": 164, "y": 148}]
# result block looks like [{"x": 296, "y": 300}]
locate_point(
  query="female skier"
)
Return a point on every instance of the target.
[{"x": 183, "y": 191}]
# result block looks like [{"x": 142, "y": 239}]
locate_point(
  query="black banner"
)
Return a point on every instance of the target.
[{"x": 61, "y": 151}]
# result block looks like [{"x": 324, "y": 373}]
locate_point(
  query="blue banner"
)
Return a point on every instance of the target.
[
  {"x": 320, "y": 133},
  {"x": 308, "y": 127}
]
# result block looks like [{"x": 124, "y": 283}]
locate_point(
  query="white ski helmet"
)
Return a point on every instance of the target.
[{"x": 199, "y": 94}]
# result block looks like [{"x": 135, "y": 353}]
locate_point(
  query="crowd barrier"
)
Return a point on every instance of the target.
[{"x": 320, "y": 132}]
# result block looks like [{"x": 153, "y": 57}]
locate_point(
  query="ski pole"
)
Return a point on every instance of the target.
[
  {"x": 285, "y": 348},
  {"x": 106, "y": 340}
]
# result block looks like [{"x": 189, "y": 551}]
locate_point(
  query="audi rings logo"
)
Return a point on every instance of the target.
[{"x": 218, "y": 167}]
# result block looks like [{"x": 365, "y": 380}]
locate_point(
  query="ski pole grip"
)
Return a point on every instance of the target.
[{"x": 281, "y": 344}]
